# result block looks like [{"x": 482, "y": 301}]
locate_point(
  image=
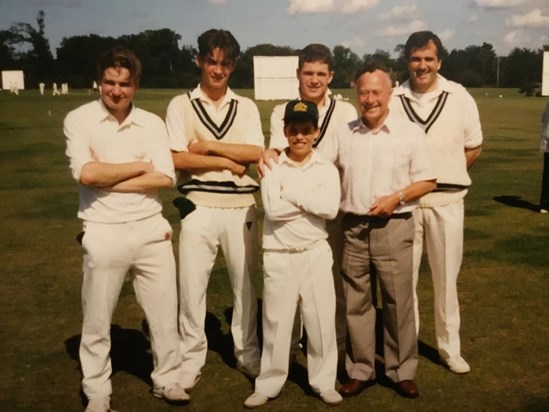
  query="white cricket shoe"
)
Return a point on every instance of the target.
[
  {"x": 457, "y": 364},
  {"x": 255, "y": 400},
  {"x": 172, "y": 393},
  {"x": 99, "y": 404},
  {"x": 188, "y": 380},
  {"x": 331, "y": 397}
]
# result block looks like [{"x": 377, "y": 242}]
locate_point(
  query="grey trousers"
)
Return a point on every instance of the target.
[{"x": 386, "y": 244}]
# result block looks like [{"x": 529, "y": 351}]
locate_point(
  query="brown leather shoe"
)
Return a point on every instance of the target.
[
  {"x": 354, "y": 386},
  {"x": 407, "y": 388}
]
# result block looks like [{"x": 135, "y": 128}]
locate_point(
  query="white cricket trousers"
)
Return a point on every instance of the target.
[
  {"x": 202, "y": 232},
  {"x": 304, "y": 279},
  {"x": 440, "y": 229},
  {"x": 335, "y": 240},
  {"x": 111, "y": 251}
]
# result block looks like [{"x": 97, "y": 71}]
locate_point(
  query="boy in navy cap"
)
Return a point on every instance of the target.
[{"x": 299, "y": 193}]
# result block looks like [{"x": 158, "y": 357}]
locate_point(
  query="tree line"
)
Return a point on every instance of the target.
[{"x": 167, "y": 65}]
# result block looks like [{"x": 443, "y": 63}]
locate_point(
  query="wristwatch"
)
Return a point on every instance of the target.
[{"x": 401, "y": 198}]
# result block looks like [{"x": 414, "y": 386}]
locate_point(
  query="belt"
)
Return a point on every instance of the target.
[
  {"x": 367, "y": 218},
  {"x": 297, "y": 249}
]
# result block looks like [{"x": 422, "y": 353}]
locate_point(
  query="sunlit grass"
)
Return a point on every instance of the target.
[{"x": 503, "y": 282}]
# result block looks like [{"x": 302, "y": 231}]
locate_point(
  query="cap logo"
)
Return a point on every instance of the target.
[{"x": 300, "y": 107}]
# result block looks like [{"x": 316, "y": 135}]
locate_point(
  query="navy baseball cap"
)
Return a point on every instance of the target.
[{"x": 300, "y": 111}]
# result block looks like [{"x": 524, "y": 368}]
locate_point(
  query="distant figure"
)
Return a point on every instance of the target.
[
  {"x": 13, "y": 88},
  {"x": 544, "y": 198},
  {"x": 64, "y": 88},
  {"x": 55, "y": 91},
  {"x": 42, "y": 87},
  {"x": 94, "y": 87}
]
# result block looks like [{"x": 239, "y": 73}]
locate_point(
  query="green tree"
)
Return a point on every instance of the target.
[
  {"x": 77, "y": 56},
  {"x": 34, "y": 56},
  {"x": 164, "y": 64},
  {"x": 473, "y": 66},
  {"x": 7, "y": 51},
  {"x": 522, "y": 69},
  {"x": 345, "y": 64},
  {"x": 160, "y": 56}
]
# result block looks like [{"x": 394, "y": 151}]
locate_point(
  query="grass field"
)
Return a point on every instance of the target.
[{"x": 503, "y": 286}]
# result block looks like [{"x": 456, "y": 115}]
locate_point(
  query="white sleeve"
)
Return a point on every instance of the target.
[
  {"x": 159, "y": 150},
  {"x": 278, "y": 140},
  {"x": 321, "y": 198},
  {"x": 276, "y": 209},
  {"x": 78, "y": 142},
  {"x": 254, "y": 132},
  {"x": 473, "y": 131},
  {"x": 175, "y": 123}
]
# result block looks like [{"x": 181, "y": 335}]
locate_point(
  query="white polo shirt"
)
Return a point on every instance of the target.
[
  {"x": 141, "y": 137},
  {"x": 375, "y": 163},
  {"x": 297, "y": 201}
]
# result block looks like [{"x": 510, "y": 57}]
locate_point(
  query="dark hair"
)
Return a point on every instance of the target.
[
  {"x": 316, "y": 53},
  {"x": 119, "y": 57},
  {"x": 370, "y": 67},
  {"x": 217, "y": 38},
  {"x": 420, "y": 39}
]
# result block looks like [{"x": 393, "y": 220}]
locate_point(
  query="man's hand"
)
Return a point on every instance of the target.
[
  {"x": 236, "y": 168},
  {"x": 200, "y": 147},
  {"x": 384, "y": 206},
  {"x": 268, "y": 156}
]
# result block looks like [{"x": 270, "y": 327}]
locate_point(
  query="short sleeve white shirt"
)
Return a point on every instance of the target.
[
  {"x": 375, "y": 163},
  {"x": 141, "y": 137}
]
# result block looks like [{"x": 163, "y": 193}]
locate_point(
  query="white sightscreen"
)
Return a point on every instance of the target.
[
  {"x": 275, "y": 78},
  {"x": 10, "y": 77},
  {"x": 545, "y": 77}
]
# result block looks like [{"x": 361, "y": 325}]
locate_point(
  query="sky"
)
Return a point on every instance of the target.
[{"x": 364, "y": 26}]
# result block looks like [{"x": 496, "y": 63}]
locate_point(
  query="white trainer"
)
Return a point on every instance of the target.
[
  {"x": 255, "y": 400},
  {"x": 99, "y": 404},
  {"x": 457, "y": 364},
  {"x": 172, "y": 393},
  {"x": 331, "y": 397},
  {"x": 251, "y": 369},
  {"x": 188, "y": 380}
]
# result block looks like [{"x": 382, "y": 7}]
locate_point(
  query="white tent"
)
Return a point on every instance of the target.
[
  {"x": 11, "y": 78},
  {"x": 275, "y": 77}
]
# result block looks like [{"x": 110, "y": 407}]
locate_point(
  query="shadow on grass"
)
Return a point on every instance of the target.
[
  {"x": 297, "y": 373},
  {"x": 516, "y": 201},
  {"x": 130, "y": 352},
  {"x": 131, "y": 349}
]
